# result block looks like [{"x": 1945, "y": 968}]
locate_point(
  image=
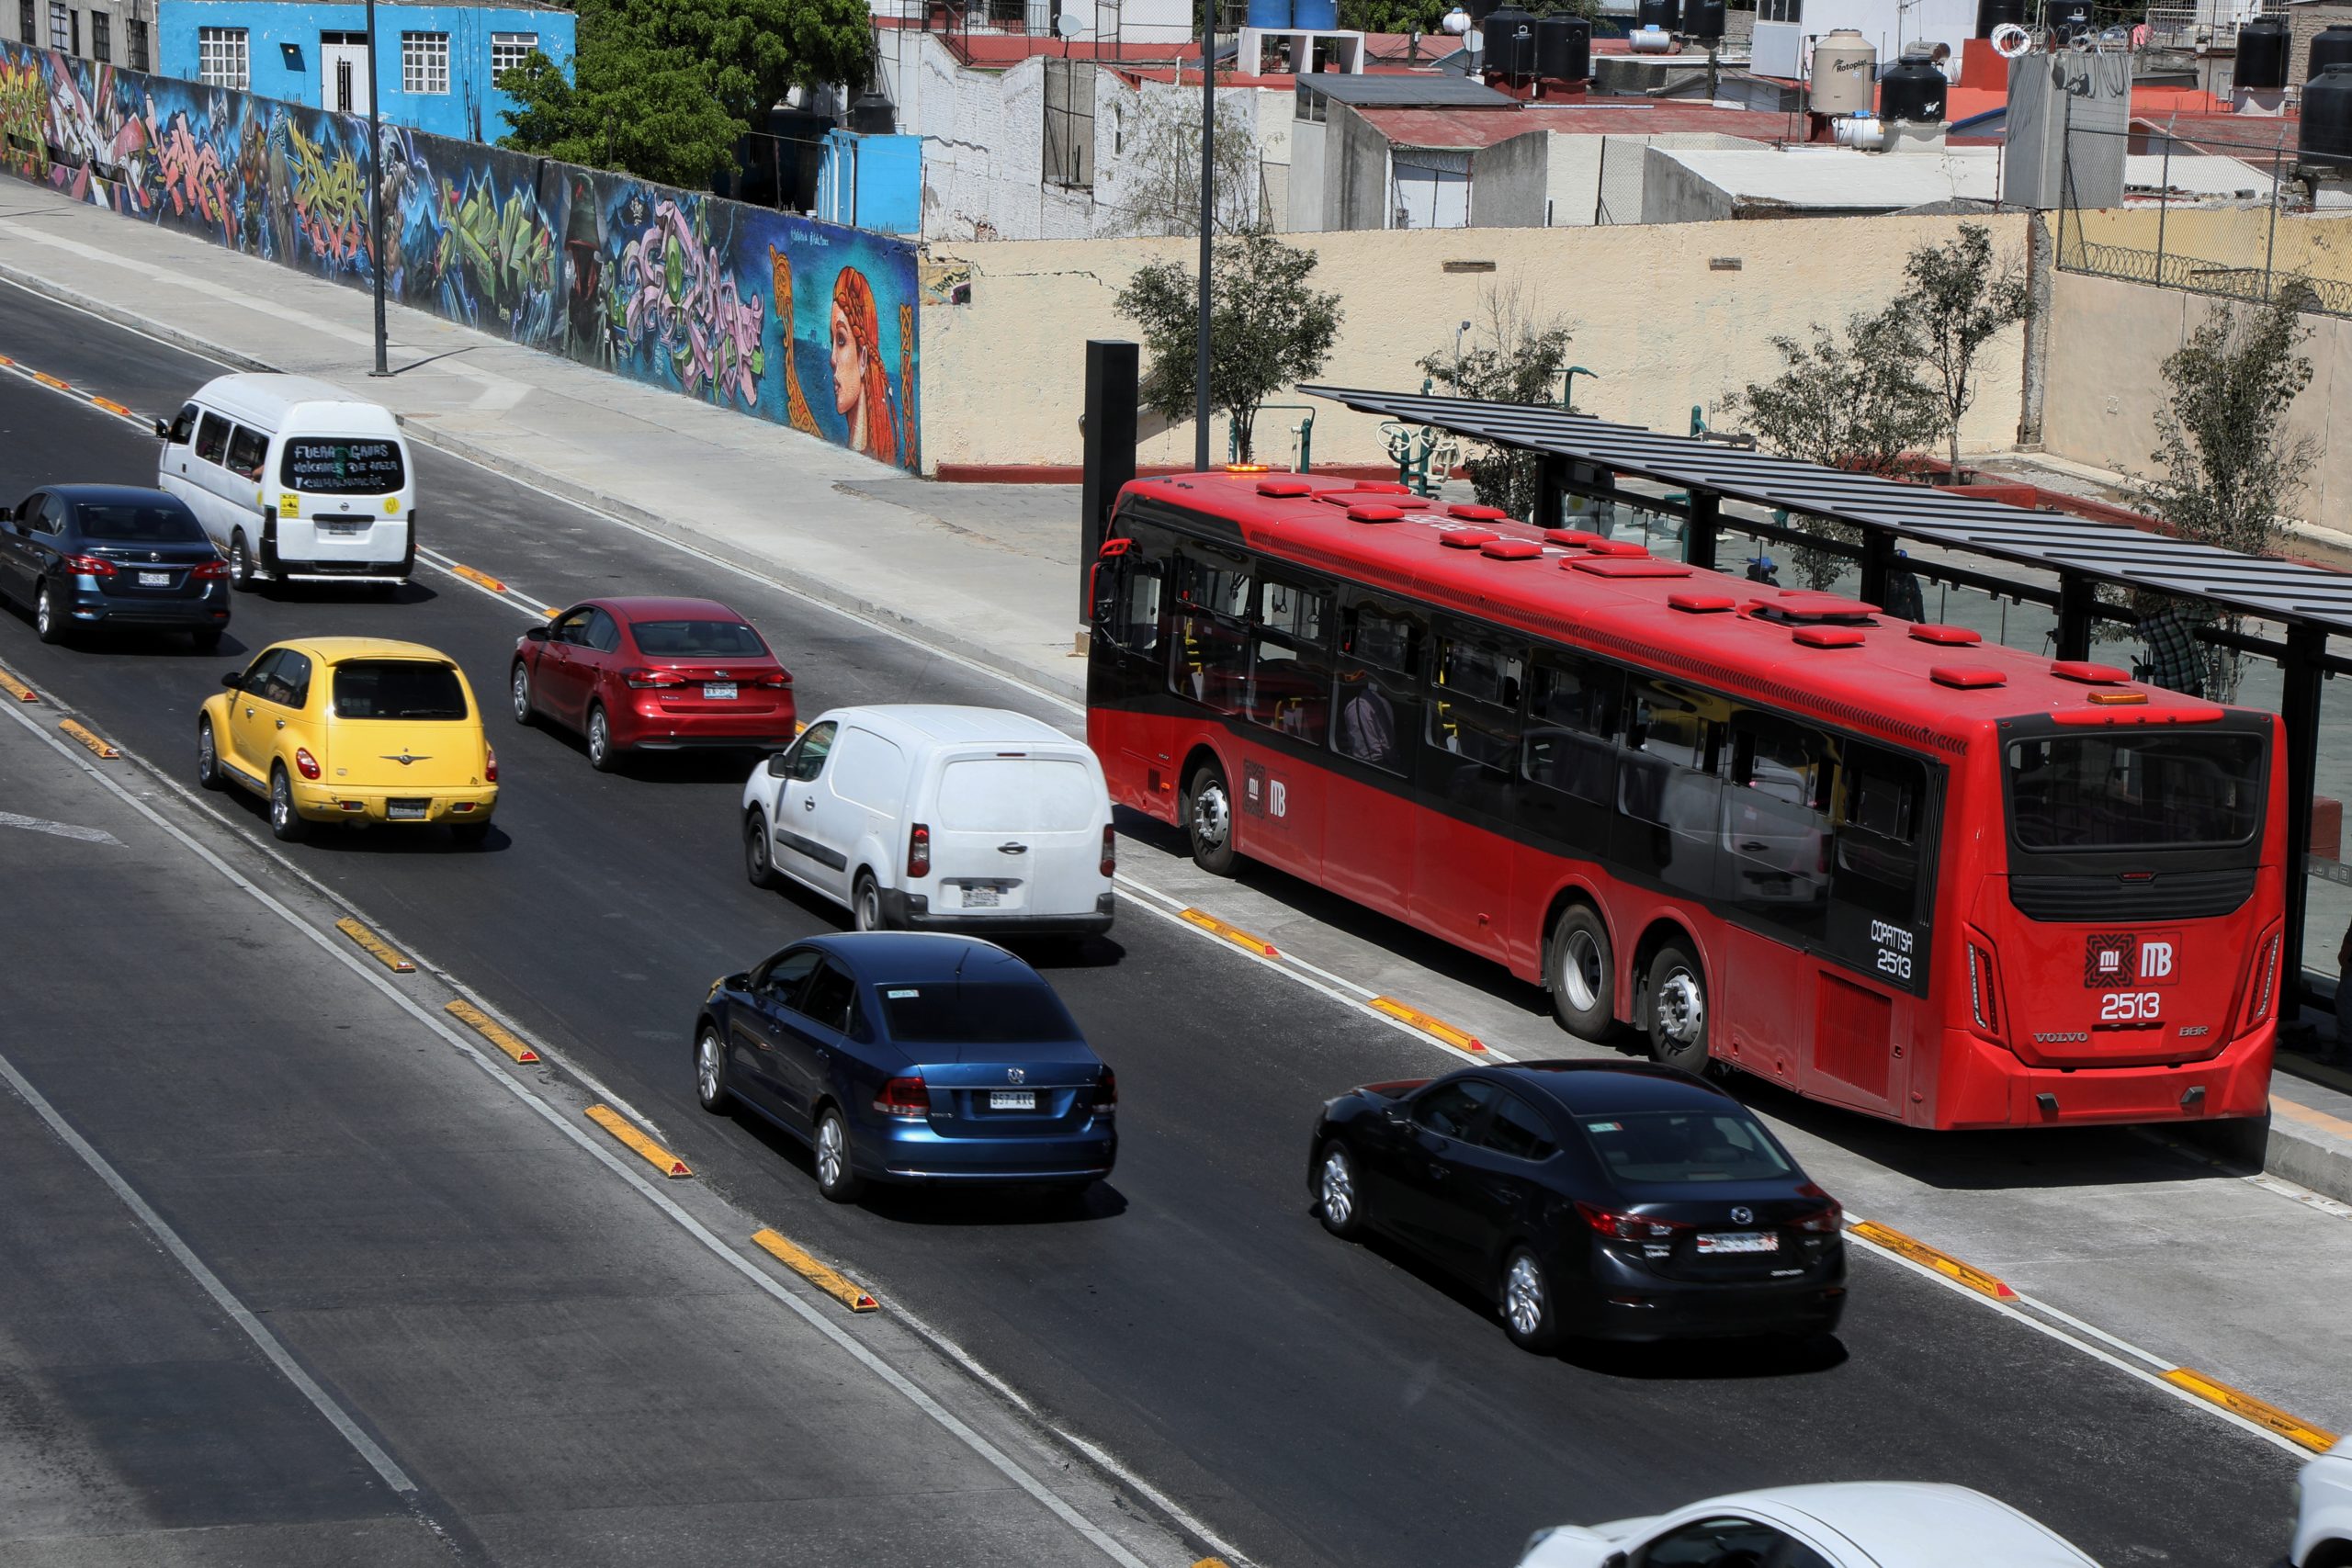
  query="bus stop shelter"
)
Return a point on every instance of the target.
[{"x": 1708, "y": 488}]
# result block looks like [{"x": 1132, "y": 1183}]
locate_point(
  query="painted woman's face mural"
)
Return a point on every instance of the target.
[{"x": 861, "y": 375}]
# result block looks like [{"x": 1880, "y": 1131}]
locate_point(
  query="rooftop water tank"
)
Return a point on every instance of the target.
[
  {"x": 1912, "y": 89},
  {"x": 1650, "y": 41},
  {"x": 1564, "y": 48},
  {"x": 1511, "y": 43},
  {"x": 1316, "y": 16},
  {"x": 1991, "y": 14},
  {"x": 1703, "y": 19},
  {"x": 2325, "y": 135},
  {"x": 2330, "y": 45},
  {"x": 1479, "y": 10},
  {"x": 2262, "y": 54},
  {"x": 1274, "y": 15},
  {"x": 1663, "y": 14},
  {"x": 1844, "y": 66}
]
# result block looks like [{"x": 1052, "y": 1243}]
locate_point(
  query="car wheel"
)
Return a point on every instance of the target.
[
  {"x": 206, "y": 640},
  {"x": 1208, "y": 821},
  {"x": 1581, "y": 972},
  {"x": 48, "y": 620},
  {"x": 241, "y": 563},
  {"x": 208, "y": 756},
  {"x": 470, "y": 835},
  {"x": 758, "y": 867},
  {"x": 711, "y": 1073},
  {"x": 600, "y": 755},
  {"x": 866, "y": 904},
  {"x": 1338, "y": 1195},
  {"x": 1529, "y": 1315},
  {"x": 520, "y": 686},
  {"x": 836, "y": 1176},
  {"x": 1677, "y": 1010},
  {"x": 286, "y": 824}
]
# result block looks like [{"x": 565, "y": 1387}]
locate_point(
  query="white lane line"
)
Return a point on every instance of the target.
[
  {"x": 268, "y": 1343},
  {"x": 995, "y": 1457},
  {"x": 60, "y": 830},
  {"x": 510, "y": 595}
]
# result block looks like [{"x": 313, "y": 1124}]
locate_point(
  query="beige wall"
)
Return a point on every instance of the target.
[
  {"x": 2234, "y": 236},
  {"x": 1003, "y": 376},
  {"x": 2107, "y": 344}
]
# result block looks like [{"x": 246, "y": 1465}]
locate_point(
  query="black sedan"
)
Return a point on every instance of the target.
[
  {"x": 112, "y": 554},
  {"x": 1619, "y": 1201}
]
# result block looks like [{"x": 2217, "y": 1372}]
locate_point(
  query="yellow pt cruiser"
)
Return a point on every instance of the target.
[{"x": 352, "y": 729}]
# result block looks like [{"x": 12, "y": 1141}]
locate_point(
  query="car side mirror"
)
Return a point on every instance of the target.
[
  {"x": 780, "y": 765},
  {"x": 234, "y": 679},
  {"x": 535, "y": 634},
  {"x": 162, "y": 430},
  {"x": 1615, "y": 1560}
]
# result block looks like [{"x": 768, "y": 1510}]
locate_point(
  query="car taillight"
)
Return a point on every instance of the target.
[
  {"x": 490, "y": 764},
  {"x": 2267, "y": 987},
  {"x": 644, "y": 678},
  {"x": 1628, "y": 1227},
  {"x": 918, "y": 851},
  {"x": 1824, "y": 1221},
  {"x": 304, "y": 761},
  {"x": 209, "y": 570},
  {"x": 1105, "y": 1099},
  {"x": 1110, "y": 851},
  {"x": 87, "y": 565},
  {"x": 904, "y": 1098},
  {"x": 1980, "y": 989},
  {"x": 779, "y": 681}
]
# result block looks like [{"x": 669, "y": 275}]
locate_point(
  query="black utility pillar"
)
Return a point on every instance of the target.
[
  {"x": 2077, "y": 614},
  {"x": 2299, "y": 707},
  {"x": 1110, "y": 433},
  {"x": 1878, "y": 565},
  {"x": 1551, "y": 475},
  {"x": 1699, "y": 529}
]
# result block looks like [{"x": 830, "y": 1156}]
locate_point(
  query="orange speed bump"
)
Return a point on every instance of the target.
[
  {"x": 1249, "y": 941},
  {"x": 490, "y": 1029},
  {"x": 376, "y": 947},
  {"x": 645, "y": 1148},
  {"x": 1926, "y": 1257},
  {"x": 17, "y": 689},
  {"x": 816, "y": 1273},
  {"x": 1435, "y": 1028},
  {"x": 88, "y": 739},
  {"x": 2243, "y": 1404}
]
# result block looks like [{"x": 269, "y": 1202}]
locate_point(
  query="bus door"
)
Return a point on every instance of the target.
[
  {"x": 1666, "y": 830},
  {"x": 1127, "y": 679},
  {"x": 1279, "y": 794},
  {"x": 1369, "y": 804},
  {"x": 1867, "y": 1049},
  {"x": 1774, "y": 866},
  {"x": 1463, "y": 853}
]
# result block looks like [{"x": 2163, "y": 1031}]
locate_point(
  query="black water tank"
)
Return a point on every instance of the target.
[
  {"x": 1480, "y": 10},
  {"x": 2262, "y": 53},
  {"x": 871, "y": 114},
  {"x": 2326, "y": 136},
  {"x": 1564, "y": 48},
  {"x": 1912, "y": 89},
  {"x": 1667, "y": 14},
  {"x": 1703, "y": 18},
  {"x": 2331, "y": 45},
  {"x": 1991, "y": 14},
  {"x": 1509, "y": 33}
]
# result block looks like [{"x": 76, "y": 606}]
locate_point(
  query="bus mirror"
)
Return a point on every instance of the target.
[
  {"x": 1114, "y": 548},
  {"x": 1101, "y": 598}
]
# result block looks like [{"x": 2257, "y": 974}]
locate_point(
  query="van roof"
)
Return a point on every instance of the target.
[
  {"x": 943, "y": 721},
  {"x": 270, "y": 399}
]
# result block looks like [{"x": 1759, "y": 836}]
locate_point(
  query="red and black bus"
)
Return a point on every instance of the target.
[{"x": 1882, "y": 863}]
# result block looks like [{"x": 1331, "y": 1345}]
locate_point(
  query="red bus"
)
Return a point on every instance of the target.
[{"x": 1882, "y": 863}]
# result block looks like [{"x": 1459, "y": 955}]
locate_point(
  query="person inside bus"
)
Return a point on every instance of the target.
[{"x": 1367, "y": 721}]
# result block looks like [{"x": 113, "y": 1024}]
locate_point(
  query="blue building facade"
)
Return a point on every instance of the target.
[
  {"x": 435, "y": 63},
  {"x": 871, "y": 182}
]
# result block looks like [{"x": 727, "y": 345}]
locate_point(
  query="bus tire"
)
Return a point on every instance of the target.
[
  {"x": 1677, "y": 1010},
  {"x": 1580, "y": 971},
  {"x": 1208, "y": 820}
]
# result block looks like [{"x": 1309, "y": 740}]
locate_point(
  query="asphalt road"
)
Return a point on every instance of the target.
[{"x": 1318, "y": 1404}]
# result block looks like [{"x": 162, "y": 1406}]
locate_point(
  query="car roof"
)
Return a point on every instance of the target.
[
  {"x": 1914, "y": 1524},
  {"x": 116, "y": 495},
  {"x": 342, "y": 649},
  {"x": 943, "y": 721},
  {"x": 656, "y": 608},
  {"x": 1604, "y": 1088},
  {"x": 921, "y": 956},
  {"x": 267, "y": 399}
]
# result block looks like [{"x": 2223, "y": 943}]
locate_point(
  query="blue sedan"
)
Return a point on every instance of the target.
[{"x": 907, "y": 1056}]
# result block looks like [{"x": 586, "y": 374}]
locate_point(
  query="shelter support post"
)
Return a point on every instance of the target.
[
  {"x": 1699, "y": 529},
  {"x": 1878, "y": 564},
  {"x": 2299, "y": 707},
  {"x": 1109, "y": 432},
  {"x": 1551, "y": 484},
  {"x": 2077, "y": 614}
]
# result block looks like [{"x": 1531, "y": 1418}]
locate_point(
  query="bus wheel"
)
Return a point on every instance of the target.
[
  {"x": 1582, "y": 975},
  {"x": 1677, "y": 1010},
  {"x": 1208, "y": 821}
]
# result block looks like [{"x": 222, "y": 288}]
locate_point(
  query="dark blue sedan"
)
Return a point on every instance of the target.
[
  {"x": 910, "y": 1056},
  {"x": 82, "y": 556}
]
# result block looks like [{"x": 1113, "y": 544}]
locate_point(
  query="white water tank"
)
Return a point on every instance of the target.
[
  {"x": 1845, "y": 73},
  {"x": 1652, "y": 40}
]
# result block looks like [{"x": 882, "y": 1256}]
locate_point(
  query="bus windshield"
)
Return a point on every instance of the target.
[{"x": 2135, "y": 790}]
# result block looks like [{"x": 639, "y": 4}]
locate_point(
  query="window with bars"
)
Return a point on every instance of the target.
[
  {"x": 508, "y": 50},
  {"x": 60, "y": 22},
  {"x": 101, "y": 36},
  {"x": 25, "y": 33},
  {"x": 424, "y": 62},
  {"x": 136, "y": 37},
  {"x": 220, "y": 57},
  {"x": 1070, "y": 123},
  {"x": 1780, "y": 10}
]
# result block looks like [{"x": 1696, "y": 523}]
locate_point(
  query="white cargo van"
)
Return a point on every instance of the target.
[
  {"x": 294, "y": 479},
  {"x": 937, "y": 819}
]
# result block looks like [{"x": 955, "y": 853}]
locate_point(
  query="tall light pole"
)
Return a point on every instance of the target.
[
  {"x": 1209, "y": 206},
  {"x": 376, "y": 191}
]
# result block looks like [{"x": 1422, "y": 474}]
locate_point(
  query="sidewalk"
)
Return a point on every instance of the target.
[{"x": 989, "y": 573}]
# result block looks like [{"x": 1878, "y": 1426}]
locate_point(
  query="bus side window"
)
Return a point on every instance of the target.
[
  {"x": 1212, "y": 652},
  {"x": 1137, "y": 602},
  {"x": 1572, "y": 719},
  {"x": 1475, "y": 691},
  {"x": 1671, "y": 737},
  {"x": 1375, "y": 690},
  {"x": 1290, "y": 673},
  {"x": 1776, "y": 819},
  {"x": 1881, "y": 812}
]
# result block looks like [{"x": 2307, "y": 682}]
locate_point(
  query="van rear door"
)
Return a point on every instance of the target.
[{"x": 1019, "y": 831}]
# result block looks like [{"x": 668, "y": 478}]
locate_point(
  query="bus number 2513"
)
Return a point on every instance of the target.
[{"x": 2128, "y": 1007}]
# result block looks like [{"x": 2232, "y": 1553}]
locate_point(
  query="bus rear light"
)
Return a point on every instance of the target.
[
  {"x": 2267, "y": 985},
  {"x": 1980, "y": 989},
  {"x": 917, "y": 853},
  {"x": 1110, "y": 851}
]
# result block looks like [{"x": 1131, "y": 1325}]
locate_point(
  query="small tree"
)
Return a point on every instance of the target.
[
  {"x": 1267, "y": 329},
  {"x": 1517, "y": 356},
  {"x": 1961, "y": 297},
  {"x": 1159, "y": 186}
]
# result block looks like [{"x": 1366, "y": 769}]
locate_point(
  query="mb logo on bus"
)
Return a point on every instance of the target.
[{"x": 2122, "y": 958}]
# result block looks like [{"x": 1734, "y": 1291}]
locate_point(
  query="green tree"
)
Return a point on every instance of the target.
[
  {"x": 1959, "y": 298},
  {"x": 1405, "y": 16},
  {"x": 666, "y": 89},
  {"x": 1159, "y": 186},
  {"x": 1518, "y": 356},
  {"x": 1267, "y": 329}
]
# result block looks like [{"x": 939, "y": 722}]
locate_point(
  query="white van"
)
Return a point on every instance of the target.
[
  {"x": 937, "y": 819},
  {"x": 294, "y": 480}
]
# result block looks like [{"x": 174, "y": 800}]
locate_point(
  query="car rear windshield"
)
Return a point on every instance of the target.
[
  {"x": 341, "y": 466},
  {"x": 1684, "y": 1145},
  {"x": 138, "y": 523},
  {"x": 2135, "y": 790},
  {"x": 398, "y": 688},
  {"x": 697, "y": 640},
  {"x": 1018, "y": 794},
  {"x": 949, "y": 1012}
]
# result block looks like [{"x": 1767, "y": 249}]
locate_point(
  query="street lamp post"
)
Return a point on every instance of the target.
[
  {"x": 1209, "y": 206},
  {"x": 376, "y": 191}
]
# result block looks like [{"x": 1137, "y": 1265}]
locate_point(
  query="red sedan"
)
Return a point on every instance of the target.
[{"x": 653, "y": 675}]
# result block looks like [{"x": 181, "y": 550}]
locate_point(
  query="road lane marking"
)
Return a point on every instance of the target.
[
  {"x": 58, "y": 829},
  {"x": 323, "y": 1402},
  {"x": 645, "y": 1148},
  {"x": 383, "y": 952},
  {"x": 816, "y": 1273},
  {"x": 1435, "y": 1028},
  {"x": 490, "y": 1029},
  {"x": 17, "y": 689},
  {"x": 1942, "y": 1262},
  {"x": 86, "y": 737},
  {"x": 2260, "y": 1412},
  {"x": 1249, "y": 941}
]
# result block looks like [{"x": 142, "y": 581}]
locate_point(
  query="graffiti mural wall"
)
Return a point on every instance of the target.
[{"x": 805, "y": 323}]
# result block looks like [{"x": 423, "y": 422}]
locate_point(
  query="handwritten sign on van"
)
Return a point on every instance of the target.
[{"x": 344, "y": 467}]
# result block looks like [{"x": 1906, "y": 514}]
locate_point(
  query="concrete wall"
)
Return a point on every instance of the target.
[
  {"x": 1662, "y": 328},
  {"x": 1674, "y": 192},
  {"x": 2317, "y": 247},
  {"x": 2108, "y": 340},
  {"x": 1508, "y": 186},
  {"x": 1355, "y": 172}
]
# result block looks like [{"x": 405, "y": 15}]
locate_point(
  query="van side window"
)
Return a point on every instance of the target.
[
  {"x": 248, "y": 449},
  {"x": 808, "y": 753},
  {"x": 183, "y": 427},
  {"x": 212, "y": 438}
]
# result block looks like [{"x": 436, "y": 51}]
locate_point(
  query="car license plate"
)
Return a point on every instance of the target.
[
  {"x": 719, "y": 691},
  {"x": 1740, "y": 1241},
  {"x": 339, "y": 526},
  {"x": 154, "y": 580},
  {"x": 407, "y": 810},
  {"x": 977, "y": 896},
  {"x": 1012, "y": 1100}
]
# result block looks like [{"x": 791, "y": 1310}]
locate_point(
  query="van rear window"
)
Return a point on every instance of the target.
[
  {"x": 340, "y": 467},
  {"x": 1018, "y": 794}
]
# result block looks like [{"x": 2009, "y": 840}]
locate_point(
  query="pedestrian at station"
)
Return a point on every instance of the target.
[
  {"x": 1760, "y": 569},
  {"x": 1905, "y": 600},
  {"x": 2175, "y": 661},
  {"x": 2344, "y": 998}
]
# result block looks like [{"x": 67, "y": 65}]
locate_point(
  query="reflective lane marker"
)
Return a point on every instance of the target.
[
  {"x": 816, "y": 1273},
  {"x": 1250, "y": 942},
  {"x": 70, "y": 389},
  {"x": 1435, "y": 1028},
  {"x": 17, "y": 689},
  {"x": 1942, "y": 1262},
  {"x": 112, "y": 407},
  {"x": 383, "y": 952},
  {"x": 490, "y": 1029},
  {"x": 645, "y": 1148},
  {"x": 87, "y": 738},
  {"x": 48, "y": 380},
  {"x": 2262, "y": 1414},
  {"x": 470, "y": 575}
]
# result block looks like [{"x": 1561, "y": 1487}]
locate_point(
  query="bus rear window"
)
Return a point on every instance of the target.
[
  {"x": 2134, "y": 790},
  {"x": 339, "y": 466},
  {"x": 398, "y": 688}
]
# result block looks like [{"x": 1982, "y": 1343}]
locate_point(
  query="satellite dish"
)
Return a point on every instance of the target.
[{"x": 1066, "y": 25}]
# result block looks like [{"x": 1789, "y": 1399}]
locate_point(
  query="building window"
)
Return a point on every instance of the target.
[
  {"x": 424, "y": 62},
  {"x": 1780, "y": 10},
  {"x": 1070, "y": 123},
  {"x": 508, "y": 50},
  {"x": 101, "y": 36},
  {"x": 60, "y": 22},
  {"x": 25, "y": 33},
  {"x": 220, "y": 57},
  {"x": 138, "y": 42}
]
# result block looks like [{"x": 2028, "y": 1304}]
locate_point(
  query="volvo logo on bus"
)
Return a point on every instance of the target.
[{"x": 2062, "y": 1037}]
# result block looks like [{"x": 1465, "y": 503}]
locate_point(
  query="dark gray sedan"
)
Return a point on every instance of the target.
[{"x": 84, "y": 556}]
